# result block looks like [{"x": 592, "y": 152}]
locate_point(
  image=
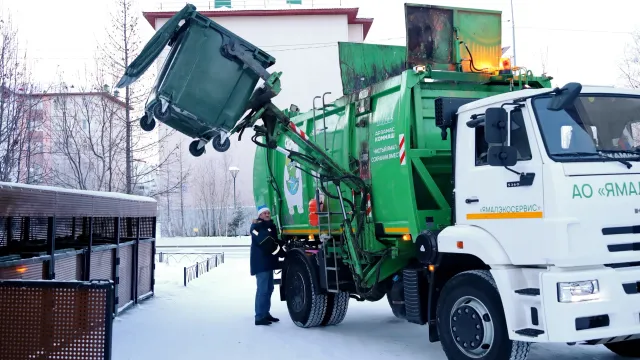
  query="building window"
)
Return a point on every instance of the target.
[{"x": 222, "y": 3}]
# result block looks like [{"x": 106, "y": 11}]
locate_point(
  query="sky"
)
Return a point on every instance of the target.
[{"x": 574, "y": 40}]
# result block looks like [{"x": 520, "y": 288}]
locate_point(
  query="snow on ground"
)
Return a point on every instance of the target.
[{"x": 212, "y": 318}]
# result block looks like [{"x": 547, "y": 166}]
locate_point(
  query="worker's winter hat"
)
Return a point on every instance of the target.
[{"x": 262, "y": 208}]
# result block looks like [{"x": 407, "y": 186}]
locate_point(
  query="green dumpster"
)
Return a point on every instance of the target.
[{"x": 203, "y": 87}]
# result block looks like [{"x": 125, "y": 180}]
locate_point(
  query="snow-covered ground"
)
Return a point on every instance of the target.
[{"x": 212, "y": 318}]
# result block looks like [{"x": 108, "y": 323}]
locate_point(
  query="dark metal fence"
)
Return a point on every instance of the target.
[
  {"x": 194, "y": 271},
  {"x": 169, "y": 257},
  {"x": 57, "y": 234},
  {"x": 56, "y": 319}
]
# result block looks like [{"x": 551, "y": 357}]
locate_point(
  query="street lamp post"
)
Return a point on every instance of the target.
[
  {"x": 234, "y": 172},
  {"x": 513, "y": 34}
]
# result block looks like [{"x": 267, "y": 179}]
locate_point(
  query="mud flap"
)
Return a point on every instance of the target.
[{"x": 415, "y": 295}]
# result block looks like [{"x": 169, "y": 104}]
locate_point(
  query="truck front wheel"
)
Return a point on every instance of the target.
[
  {"x": 306, "y": 307},
  {"x": 629, "y": 349},
  {"x": 471, "y": 320}
]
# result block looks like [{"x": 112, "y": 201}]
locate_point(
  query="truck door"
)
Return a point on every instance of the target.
[{"x": 491, "y": 197}]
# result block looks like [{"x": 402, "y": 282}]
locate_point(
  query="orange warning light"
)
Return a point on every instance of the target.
[{"x": 505, "y": 64}]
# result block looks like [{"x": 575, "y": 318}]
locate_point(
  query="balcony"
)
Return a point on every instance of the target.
[{"x": 257, "y": 4}]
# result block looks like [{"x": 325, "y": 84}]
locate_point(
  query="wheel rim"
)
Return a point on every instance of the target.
[
  {"x": 297, "y": 289},
  {"x": 159, "y": 113},
  {"x": 472, "y": 327}
]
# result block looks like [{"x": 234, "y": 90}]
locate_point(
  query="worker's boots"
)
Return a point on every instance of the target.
[
  {"x": 264, "y": 321},
  {"x": 267, "y": 320}
]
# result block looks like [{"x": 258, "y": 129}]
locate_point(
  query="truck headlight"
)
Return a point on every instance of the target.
[{"x": 578, "y": 291}]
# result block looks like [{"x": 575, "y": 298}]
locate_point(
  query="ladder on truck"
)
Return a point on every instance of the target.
[{"x": 325, "y": 235}]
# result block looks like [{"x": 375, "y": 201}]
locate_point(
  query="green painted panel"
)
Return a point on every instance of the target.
[
  {"x": 482, "y": 32},
  {"x": 362, "y": 65},
  {"x": 434, "y": 34}
]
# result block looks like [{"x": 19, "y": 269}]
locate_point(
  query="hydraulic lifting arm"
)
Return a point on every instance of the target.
[{"x": 312, "y": 157}]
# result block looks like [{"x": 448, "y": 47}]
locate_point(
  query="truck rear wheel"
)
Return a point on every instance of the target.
[
  {"x": 629, "y": 349},
  {"x": 337, "y": 306},
  {"x": 306, "y": 307},
  {"x": 471, "y": 320}
]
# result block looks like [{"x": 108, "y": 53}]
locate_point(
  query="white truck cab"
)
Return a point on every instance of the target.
[{"x": 547, "y": 185}]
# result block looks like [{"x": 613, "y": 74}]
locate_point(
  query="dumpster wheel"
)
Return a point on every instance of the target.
[
  {"x": 220, "y": 146},
  {"x": 146, "y": 123},
  {"x": 193, "y": 148},
  {"x": 161, "y": 115}
]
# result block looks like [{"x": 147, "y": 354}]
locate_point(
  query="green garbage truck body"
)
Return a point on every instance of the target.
[
  {"x": 393, "y": 144},
  {"x": 464, "y": 190}
]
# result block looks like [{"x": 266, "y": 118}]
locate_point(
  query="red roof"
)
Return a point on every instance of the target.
[{"x": 352, "y": 15}]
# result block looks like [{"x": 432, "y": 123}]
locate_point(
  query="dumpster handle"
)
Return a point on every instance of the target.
[{"x": 229, "y": 48}]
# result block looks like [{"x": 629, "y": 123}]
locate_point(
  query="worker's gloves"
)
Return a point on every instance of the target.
[
  {"x": 283, "y": 251},
  {"x": 273, "y": 246}
]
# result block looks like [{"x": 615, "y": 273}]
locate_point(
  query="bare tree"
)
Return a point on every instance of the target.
[
  {"x": 143, "y": 162},
  {"x": 173, "y": 182},
  {"x": 20, "y": 113},
  {"x": 88, "y": 134},
  {"x": 630, "y": 67},
  {"x": 215, "y": 193}
]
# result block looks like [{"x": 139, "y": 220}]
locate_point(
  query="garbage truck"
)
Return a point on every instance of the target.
[{"x": 476, "y": 198}]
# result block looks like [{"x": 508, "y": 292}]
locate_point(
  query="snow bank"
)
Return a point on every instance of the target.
[{"x": 204, "y": 241}]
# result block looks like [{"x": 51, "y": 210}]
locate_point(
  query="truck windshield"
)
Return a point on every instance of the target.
[{"x": 594, "y": 128}]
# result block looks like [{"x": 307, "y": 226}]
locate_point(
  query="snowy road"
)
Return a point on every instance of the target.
[{"x": 212, "y": 318}]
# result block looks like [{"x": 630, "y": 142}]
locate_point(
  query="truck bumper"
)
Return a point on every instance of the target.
[{"x": 612, "y": 315}]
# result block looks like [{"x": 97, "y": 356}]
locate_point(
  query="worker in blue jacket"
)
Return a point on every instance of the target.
[{"x": 266, "y": 249}]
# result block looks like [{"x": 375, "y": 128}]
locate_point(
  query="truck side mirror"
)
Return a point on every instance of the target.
[
  {"x": 495, "y": 125},
  {"x": 500, "y": 155}
]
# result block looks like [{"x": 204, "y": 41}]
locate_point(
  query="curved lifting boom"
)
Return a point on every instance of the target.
[{"x": 311, "y": 156}]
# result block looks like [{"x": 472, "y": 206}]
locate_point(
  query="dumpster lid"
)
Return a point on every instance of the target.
[{"x": 154, "y": 47}]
